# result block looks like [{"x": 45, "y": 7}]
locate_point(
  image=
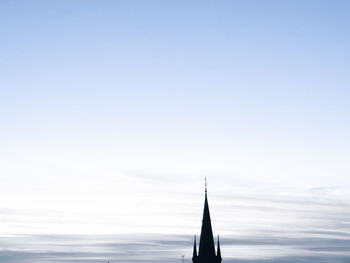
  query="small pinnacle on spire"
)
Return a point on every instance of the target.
[
  {"x": 218, "y": 249},
  {"x": 194, "y": 248}
]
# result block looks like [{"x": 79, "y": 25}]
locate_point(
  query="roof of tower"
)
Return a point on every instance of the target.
[{"x": 206, "y": 243}]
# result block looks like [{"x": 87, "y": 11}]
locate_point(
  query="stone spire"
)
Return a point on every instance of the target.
[
  {"x": 206, "y": 251},
  {"x": 206, "y": 243}
]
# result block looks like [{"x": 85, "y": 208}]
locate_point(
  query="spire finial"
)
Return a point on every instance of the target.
[{"x": 206, "y": 185}]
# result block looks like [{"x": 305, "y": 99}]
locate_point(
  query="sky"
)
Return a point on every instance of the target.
[{"x": 112, "y": 113}]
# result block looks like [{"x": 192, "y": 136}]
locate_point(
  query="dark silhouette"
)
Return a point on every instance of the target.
[{"x": 206, "y": 252}]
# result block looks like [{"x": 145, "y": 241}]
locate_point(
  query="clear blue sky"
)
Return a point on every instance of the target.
[
  {"x": 158, "y": 74},
  {"x": 106, "y": 100}
]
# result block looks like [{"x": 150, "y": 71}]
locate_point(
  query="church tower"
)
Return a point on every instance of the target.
[{"x": 206, "y": 251}]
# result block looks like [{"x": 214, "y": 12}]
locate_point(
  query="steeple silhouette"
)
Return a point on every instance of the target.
[{"x": 206, "y": 253}]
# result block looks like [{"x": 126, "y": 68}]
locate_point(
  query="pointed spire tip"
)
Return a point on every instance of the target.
[{"x": 206, "y": 185}]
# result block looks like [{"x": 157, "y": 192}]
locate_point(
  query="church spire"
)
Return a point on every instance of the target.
[
  {"x": 206, "y": 251},
  {"x": 206, "y": 243}
]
